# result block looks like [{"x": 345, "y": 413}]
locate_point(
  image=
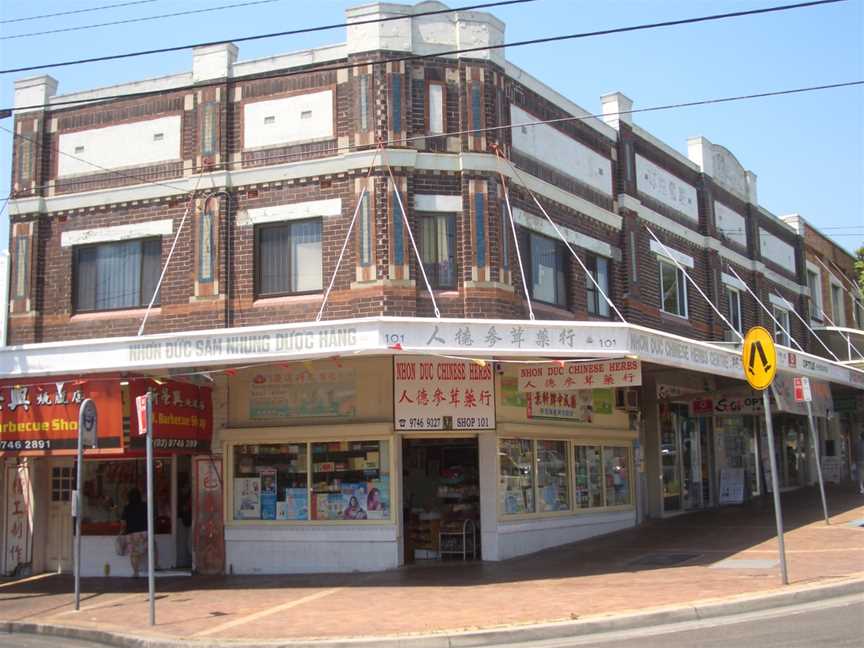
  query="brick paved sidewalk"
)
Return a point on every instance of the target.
[{"x": 616, "y": 574}]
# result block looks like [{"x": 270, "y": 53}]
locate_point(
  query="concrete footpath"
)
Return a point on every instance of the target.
[{"x": 689, "y": 567}]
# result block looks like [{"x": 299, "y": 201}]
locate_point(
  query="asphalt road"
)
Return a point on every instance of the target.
[
  {"x": 834, "y": 623},
  {"x": 838, "y": 623}
]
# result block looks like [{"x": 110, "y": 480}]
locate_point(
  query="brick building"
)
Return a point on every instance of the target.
[{"x": 253, "y": 173}]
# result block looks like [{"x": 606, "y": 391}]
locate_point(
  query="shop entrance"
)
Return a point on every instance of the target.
[
  {"x": 686, "y": 459},
  {"x": 61, "y": 475},
  {"x": 440, "y": 499}
]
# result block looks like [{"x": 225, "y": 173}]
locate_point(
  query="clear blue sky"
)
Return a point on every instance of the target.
[{"x": 807, "y": 150}]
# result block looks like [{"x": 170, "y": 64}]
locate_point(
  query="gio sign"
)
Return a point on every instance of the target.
[{"x": 759, "y": 358}]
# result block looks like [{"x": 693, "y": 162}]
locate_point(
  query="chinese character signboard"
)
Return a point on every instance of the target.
[
  {"x": 438, "y": 394},
  {"x": 575, "y": 376},
  {"x": 305, "y": 391},
  {"x": 572, "y": 406},
  {"x": 208, "y": 543},
  {"x": 182, "y": 415},
  {"x": 19, "y": 519},
  {"x": 42, "y": 418}
]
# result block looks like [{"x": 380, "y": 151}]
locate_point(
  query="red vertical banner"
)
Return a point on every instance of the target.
[{"x": 208, "y": 544}]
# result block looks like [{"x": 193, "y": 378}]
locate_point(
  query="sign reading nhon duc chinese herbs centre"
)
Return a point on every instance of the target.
[{"x": 438, "y": 394}]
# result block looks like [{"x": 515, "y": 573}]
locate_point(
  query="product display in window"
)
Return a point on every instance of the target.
[
  {"x": 106, "y": 488},
  {"x": 517, "y": 476},
  {"x": 350, "y": 480},
  {"x": 552, "y": 476},
  {"x": 270, "y": 482},
  {"x": 617, "y": 468},
  {"x": 589, "y": 477}
]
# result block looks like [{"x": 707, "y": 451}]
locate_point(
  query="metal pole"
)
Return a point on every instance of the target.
[
  {"x": 151, "y": 580},
  {"x": 79, "y": 480},
  {"x": 775, "y": 485},
  {"x": 815, "y": 436}
]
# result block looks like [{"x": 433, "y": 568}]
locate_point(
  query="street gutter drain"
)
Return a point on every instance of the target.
[{"x": 662, "y": 559}]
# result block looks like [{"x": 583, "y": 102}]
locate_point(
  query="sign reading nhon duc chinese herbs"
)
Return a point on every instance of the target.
[
  {"x": 437, "y": 394},
  {"x": 575, "y": 376}
]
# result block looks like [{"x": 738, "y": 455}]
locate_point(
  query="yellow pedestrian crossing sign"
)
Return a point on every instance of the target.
[{"x": 759, "y": 358}]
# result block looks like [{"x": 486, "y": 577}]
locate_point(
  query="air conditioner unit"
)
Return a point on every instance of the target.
[{"x": 627, "y": 400}]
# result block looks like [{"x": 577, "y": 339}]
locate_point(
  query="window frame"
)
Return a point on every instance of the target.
[
  {"x": 433, "y": 276},
  {"x": 429, "y": 131},
  {"x": 263, "y": 227},
  {"x": 681, "y": 288},
  {"x": 839, "y": 314},
  {"x": 731, "y": 292},
  {"x": 782, "y": 315},
  {"x": 143, "y": 300},
  {"x": 307, "y": 440},
  {"x": 815, "y": 296},
  {"x": 592, "y": 294},
  {"x": 565, "y": 270}
]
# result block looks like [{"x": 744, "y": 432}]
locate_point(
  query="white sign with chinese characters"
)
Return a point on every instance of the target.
[
  {"x": 567, "y": 377},
  {"x": 440, "y": 394}
]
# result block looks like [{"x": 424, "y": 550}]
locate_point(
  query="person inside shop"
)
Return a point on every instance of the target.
[{"x": 135, "y": 529}]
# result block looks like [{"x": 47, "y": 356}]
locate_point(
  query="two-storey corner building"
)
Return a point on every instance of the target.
[{"x": 371, "y": 341}]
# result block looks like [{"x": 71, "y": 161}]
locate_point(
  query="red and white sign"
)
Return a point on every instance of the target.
[
  {"x": 802, "y": 389},
  {"x": 182, "y": 415},
  {"x": 439, "y": 394},
  {"x": 575, "y": 376},
  {"x": 141, "y": 408}
]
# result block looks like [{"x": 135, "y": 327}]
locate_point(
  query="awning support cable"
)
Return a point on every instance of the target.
[
  {"x": 413, "y": 242},
  {"x": 348, "y": 235},
  {"x": 804, "y": 322},
  {"x": 560, "y": 234}
]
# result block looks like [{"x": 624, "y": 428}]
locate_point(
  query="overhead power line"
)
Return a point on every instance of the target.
[
  {"x": 403, "y": 141},
  {"x": 242, "y": 39},
  {"x": 140, "y": 19},
  {"x": 490, "y": 4},
  {"x": 76, "y": 11}
]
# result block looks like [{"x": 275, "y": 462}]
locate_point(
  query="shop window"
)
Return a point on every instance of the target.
[
  {"x": 781, "y": 326},
  {"x": 106, "y": 493},
  {"x": 438, "y": 249},
  {"x": 602, "y": 476},
  {"x": 350, "y": 480},
  {"x": 289, "y": 258},
  {"x": 589, "y": 477},
  {"x": 673, "y": 290},
  {"x": 270, "y": 482},
  {"x": 813, "y": 284},
  {"x": 516, "y": 475},
  {"x": 553, "y": 476},
  {"x": 110, "y": 276},
  {"x": 616, "y": 465},
  {"x": 733, "y": 304},
  {"x": 548, "y": 270},
  {"x": 599, "y": 269}
]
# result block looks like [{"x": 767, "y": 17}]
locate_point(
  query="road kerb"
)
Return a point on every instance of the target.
[{"x": 701, "y": 610}]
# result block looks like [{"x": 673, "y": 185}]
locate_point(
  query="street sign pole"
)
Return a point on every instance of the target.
[
  {"x": 151, "y": 580},
  {"x": 775, "y": 486},
  {"x": 815, "y": 437},
  {"x": 86, "y": 426},
  {"x": 759, "y": 359}
]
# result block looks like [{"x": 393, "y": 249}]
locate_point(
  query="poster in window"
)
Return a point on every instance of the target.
[
  {"x": 268, "y": 493},
  {"x": 295, "y": 506},
  {"x": 378, "y": 498},
  {"x": 247, "y": 498},
  {"x": 603, "y": 401}
]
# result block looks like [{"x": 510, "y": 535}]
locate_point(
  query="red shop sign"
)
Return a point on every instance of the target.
[
  {"x": 41, "y": 418},
  {"x": 182, "y": 415}
]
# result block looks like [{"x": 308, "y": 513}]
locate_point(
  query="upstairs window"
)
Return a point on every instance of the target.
[
  {"x": 673, "y": 290},
  {"x": 815, "y": 295},
  {"x": 548, "y": 270},
  {"x": 599, "y": 269},
  {"x": 110, "y": 276},
  {"x": 782, "y": 316},
  {"x": 438, "y": 249},
  {"x": 733, "y": 305},
  {"x": 435, "y": 108},
  {"x": 289, "y": 258},
  {"x": 837, "y": 310}
]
